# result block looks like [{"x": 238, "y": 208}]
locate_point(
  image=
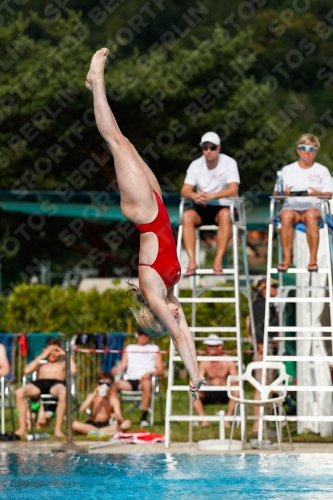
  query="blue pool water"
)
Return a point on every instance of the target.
[{"x": 161, "y": 477}]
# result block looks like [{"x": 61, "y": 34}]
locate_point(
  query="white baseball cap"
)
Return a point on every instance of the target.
[
  {"x": 210, "y": 137},
  {"x": 213, "y": 340}
]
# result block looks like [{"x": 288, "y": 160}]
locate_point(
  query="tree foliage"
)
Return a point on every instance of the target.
[{"x": 168, "y": 80}]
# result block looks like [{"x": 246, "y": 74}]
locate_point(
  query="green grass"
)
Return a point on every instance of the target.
[{"x": 180, "y": 430}]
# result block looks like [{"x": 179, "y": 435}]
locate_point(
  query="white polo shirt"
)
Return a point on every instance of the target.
[
  {"x": 141, "y": 359},
  {"x": 317, "y": 177},
  {"x": 215, "y": 180}
]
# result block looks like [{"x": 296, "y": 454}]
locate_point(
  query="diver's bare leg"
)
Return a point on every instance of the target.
[{"x": 134, "y": 185}]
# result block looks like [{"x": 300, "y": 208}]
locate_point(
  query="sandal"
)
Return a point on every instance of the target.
[
  {"x": 314, "y": 268},
  {"x": 283, "y": 268},
  {"x": 218, "y": 272},
  {"x": 191, "y": 271},
  {"x": 91, "y": 434}
]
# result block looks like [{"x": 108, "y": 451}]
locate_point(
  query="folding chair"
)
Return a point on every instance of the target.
[
  {"x": 135, "y": 397},
  {"x": 265, "y": 391},
  {"x": 7, "y": 339}
]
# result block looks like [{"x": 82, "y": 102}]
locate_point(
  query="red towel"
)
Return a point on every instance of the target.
[
  {"x": 137, "y": 437},
  {"x": 23, "y": 343}
]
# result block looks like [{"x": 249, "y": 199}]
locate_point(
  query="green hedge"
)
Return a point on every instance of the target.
[{"x": 40, "y": 308}]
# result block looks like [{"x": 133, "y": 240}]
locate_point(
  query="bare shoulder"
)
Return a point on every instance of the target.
[{"x": 232, "y": 366}]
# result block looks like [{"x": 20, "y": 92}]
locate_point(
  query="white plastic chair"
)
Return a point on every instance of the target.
[{"x": 265, "y": 391}]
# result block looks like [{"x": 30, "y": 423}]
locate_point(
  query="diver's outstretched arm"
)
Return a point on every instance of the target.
[
  {"x": 181, "y": 342},
  {"x": 184, "y": 327}
]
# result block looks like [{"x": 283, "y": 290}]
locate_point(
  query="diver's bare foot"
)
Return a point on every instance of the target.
[
  {"x": 59, "y": 434},
  {"x": 96, "y": 67}
]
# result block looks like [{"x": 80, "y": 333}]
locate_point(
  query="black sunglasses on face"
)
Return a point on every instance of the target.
[
  {"x": 212, "y": 148},
  {"x": 105, "y": 383}
]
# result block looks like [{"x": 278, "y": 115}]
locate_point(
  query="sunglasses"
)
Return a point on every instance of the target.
[
  {"x": 105, "y": 383},
  {"x": 304, "y": 147},
  {"x": 212, "y": 148}
]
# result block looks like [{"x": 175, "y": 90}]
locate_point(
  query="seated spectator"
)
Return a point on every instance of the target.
[
  {"x": 104, "y": 404},
  {"x": 140, "y": 361},
  {"x": 4, "y": 363},
  {"x": 313, "y": 179},
  {"x": 51, "y": 380},
  {"x": 217, "y": 373},
  {"x": 215, "y": 177}
]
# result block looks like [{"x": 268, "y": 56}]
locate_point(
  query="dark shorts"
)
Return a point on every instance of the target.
[
  {"x": 98, "y": 425},
  {"x": 44, "y": 385},
  {"x": 134, "y": 384},
  {"x": 208, "y": 213},
  {"x": 215, "y": 397}
]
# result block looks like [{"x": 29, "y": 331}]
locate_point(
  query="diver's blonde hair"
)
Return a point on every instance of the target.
[
  {"x": 143, "y": 316},
  {"x": 309, "y": 139}
]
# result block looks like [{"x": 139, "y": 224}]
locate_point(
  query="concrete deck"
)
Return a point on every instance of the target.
[{"x": 176, "y": 448}]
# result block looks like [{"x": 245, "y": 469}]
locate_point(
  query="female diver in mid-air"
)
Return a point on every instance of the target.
[{"x": 141, "y": 203}]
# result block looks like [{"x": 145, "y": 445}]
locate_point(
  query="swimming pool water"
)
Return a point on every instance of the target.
[{"x": 161, "y": 477}]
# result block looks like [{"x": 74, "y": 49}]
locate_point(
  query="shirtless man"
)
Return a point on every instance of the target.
[
  {"x": 217, "y": 373},
  {"x": 4, "y": 363},
  {"x": 104, "y": 404},
  {"x": 51, "y": 380}
]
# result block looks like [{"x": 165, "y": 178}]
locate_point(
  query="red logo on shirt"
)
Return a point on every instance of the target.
[{"x": 216, "y": 176}]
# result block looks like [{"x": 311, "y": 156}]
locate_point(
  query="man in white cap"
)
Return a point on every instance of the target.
[
  {"x": 215, "y": 177},
  {"x": 217, "y": 373}
]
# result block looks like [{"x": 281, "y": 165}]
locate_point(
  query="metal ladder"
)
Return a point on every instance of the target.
[
  {"x": 238, "y": 230},
  {"x": 284, "y": 299}
]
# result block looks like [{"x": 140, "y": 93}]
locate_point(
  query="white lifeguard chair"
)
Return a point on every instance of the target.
[
  {"x": 311, "y": 293},
  {"x": 237, "y": 284}
]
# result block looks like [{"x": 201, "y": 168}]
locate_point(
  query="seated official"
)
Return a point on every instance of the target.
[
  {"x": 51, "y": 380},
  {"x": 4, "y": 363},
  {"x": 140, "y": 361},
  {"x": 308, "y": 176},
  {"x": 104, "y": 404},
  {"x": 217, "y": 373},
  {"x": 215, "y": 177}
]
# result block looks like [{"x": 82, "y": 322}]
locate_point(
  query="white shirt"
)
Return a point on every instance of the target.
[
  {"x": 215, "y": 180},
  {"x": 317, "y": 177},
  {"x": 139, "y": 361}
]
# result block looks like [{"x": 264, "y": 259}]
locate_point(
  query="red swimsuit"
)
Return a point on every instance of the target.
[{"x": 166, "y": 263}]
